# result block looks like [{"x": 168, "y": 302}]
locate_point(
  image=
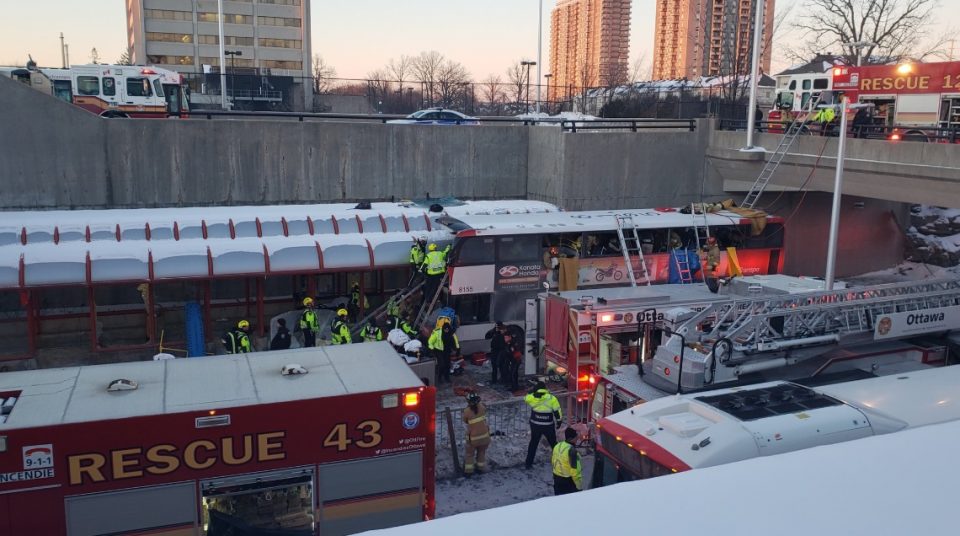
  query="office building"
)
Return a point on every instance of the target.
[
  {"x": 271, "y": 69},
  {"x": 694, "y": 38},
  {"x": 589, "y": 45}
]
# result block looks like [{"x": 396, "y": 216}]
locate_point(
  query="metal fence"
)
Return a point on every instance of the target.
[{"x": 869, "y": 132}]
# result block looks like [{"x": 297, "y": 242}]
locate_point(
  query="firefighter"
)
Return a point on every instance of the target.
[
  {"x": 434, "y": 267},
  {"x": 478, "y": 436},
  {"x": 443, "y": 343},
  {"x": 544, "y": 416},
  {"x": 497, "y": 349},
  {"x": 712, "y": 251},
  {"x": 354, "y": 306},
  {"x": 371, "y": 332},
  {"x": 339, "y": 331},
  {"x": 308, "y": 323},
  {"x": 567, "y": 472},
  {"x": 237, "y": 340}
]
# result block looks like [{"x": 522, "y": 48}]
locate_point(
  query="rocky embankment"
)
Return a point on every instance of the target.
[{"x": 934, "y": 236}]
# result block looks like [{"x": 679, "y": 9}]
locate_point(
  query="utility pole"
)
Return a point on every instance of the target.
[
  {"x": 223, "y": 59},
  {"x": 754, "y": 72},
  {"x": 837, "y": 191},
  {"x": 539, "y": 51},
  {"x": 63, "y": 51}
]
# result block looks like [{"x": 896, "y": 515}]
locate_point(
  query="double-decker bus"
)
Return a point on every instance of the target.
[{"x": 500, "y": 262}]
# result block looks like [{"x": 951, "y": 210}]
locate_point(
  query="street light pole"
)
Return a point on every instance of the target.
[
  {"x": 223, "y": 60},
  {"x": 233, "y": 67},
  {"x": 858, "y": 45},
  {"x": 837, "y": 190},
  {"x": 754, "y": 72},
  {"x": 528, "y": 64},
  {"x": 548, "y": 76},
  {"x": 539, "y": 51}
]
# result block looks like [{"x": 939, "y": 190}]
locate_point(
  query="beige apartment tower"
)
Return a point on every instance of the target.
[
  {"x": 589, "y": 45},
  {"x": 272, "y": 38},
  {"x": 696, "y": 38}
]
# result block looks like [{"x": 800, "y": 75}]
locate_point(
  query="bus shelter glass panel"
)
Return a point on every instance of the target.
[{"x": 279, "y": 503}]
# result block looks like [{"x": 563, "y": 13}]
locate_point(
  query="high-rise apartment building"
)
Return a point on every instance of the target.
[
  {"x": 696, "y": 38},
  {"x": 589, "y": 45},
  {"x": 272, "y": 38}
]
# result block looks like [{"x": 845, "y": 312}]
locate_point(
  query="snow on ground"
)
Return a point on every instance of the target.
[
  {"x": 499, "y": 487},
  {"x": 901, "y": 483},
  {"x": 906, "y": 271}
]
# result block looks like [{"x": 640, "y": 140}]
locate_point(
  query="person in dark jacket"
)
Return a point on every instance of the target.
[
  {"x": 512, "y": 356},
  {"x": 497, "y": 349},
  {"x": 544, "y": 416},
  {"x": 281, "y": 341}
]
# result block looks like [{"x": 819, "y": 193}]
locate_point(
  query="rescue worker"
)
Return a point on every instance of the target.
[
  {"x": 281, "y": 340},
  {"x": 712, "y": 251},
  {"x": 418, "y": 252},
  {"x": 237, "y": 340},
  {"x": 545, "y": 416},
  {"x": 309, "y": 325},
  {"x": 434, "y": 267},
  {"x": 371, "y": 332},
  {"x": 825, "y": 117},
  {"x": 567, "y": 471},
  {"x": 512, "y": 356},
  {"x": 497, "y": 349},
  {"x": 398, "y": 322},
  {"x": 478, "y": 436},
  {"x": 356, "y": 299},
  {"x": 443, "y": 343},
  {"x": 339, "y": 331}
]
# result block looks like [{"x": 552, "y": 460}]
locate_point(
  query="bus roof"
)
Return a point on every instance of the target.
[
  {"x": 79, "y": 394},
  {"x": 589, "y": 221}
]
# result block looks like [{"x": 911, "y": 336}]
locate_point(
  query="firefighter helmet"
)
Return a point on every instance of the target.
[
  {"x": 473, "y": 398},
  {"x": 342, "y": 312},
  {"x": 243, "y": 324},
  {"x": 308, "y": 302},
  {"x": 432, "y": 247}
]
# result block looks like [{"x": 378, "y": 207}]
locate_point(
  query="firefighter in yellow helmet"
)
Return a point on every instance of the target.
[
  {"x": 237, "y": 340},
  {"x": 478, "y": 436},
  {"x": 308, "y": 323},
  {"x": 567, "y": 471},
  {"x": 339, "y": 331}
]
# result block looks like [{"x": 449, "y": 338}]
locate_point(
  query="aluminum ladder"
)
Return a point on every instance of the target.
[
  {"x": 396, "y": 299},
  {"x": 630, "y": 245},
  {"x": 793, "y": 130},
  {"x": 427, "y": 308},
  {"x": 701, "y": 231}
]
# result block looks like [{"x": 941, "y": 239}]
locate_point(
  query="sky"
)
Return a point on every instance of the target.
[{"x": 354, "y": 36}]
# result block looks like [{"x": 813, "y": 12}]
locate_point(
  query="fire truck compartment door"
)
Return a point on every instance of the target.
[
  {"x": 369, "y": 494},
  {"x": 162, "y": 510},
  {"x": 918, "y": 110}
]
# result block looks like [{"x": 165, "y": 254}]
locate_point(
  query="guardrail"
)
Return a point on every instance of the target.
[
  {"x": 869, "y": 132},
  {"x": 567, "y": 125}
]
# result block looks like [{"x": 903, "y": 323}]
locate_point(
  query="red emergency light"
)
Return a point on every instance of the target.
[
  {"x": 837, "y": 71},
  {"x": 411, "y": 399},
  {"x": 147, "y": 71}
]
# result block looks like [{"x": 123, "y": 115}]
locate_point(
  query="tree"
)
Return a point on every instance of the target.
[
  {"x": 491, "y": 91},
  {"x": 426, "y": 70},
  {"x": 126, "y": 58},
  {"x": 323, "y": 75},
  {"x": 400, "y": 69},
  {"x": 452, "y": 84},
  {"x": 517, "y": 78},
  {"x": 894, "y": 29}
]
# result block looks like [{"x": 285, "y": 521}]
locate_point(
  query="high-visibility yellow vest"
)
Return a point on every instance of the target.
[
  {"x": 436, "y": 262},
  {"x": 308, "y": 321},
  {"x": 566, "y": 463}
]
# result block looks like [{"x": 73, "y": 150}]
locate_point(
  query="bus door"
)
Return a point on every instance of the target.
[{"x": 173, "y": 96}]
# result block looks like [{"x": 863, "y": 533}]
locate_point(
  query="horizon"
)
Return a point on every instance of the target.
[{"x": 497, "y": 36}]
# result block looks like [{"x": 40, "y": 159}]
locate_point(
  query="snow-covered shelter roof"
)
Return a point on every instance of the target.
[
  {"x": 79, "y": 394},
  {"x": 101, "y": 246}
]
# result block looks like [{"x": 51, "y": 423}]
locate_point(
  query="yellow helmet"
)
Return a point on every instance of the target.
[
  {"x": 307, "y": 302},
  {"x": 432, "y": 247},
  {"x": 243, "y": 324},
  {"x": 341, "y": 312}
]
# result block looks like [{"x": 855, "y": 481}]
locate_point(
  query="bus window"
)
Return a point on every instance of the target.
[
  {"x": 88, "y": 85},
  {"x": 603, "y": 245},
  {"x": 519, "y": 248},
  {"x": 138, "y": 87},
  {"x": 472, "y": 308},
  {"x": 109, "y": 86},
  {"x": 475, "y": 250},
  {"x": 770, "y": 237}
]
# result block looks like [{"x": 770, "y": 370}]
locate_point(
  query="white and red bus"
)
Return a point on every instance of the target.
[
  {"x": 910, "y": 100},
  {"x": 218, "y": 445},
  {"x": 684, "y": 432},
  {"x": 498, "y": 262},
  {"x": 114, "y": 90}
]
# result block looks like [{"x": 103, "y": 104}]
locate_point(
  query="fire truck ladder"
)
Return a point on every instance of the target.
[
  {"x": 795, "y": 128},
  {"x": 751, "y": 335},
  {"x": 427, "y": 308},
  {"x": 701, "y": 231},
  {"x": 394, "y": 300},
  {"x": 631, "y": 248}
]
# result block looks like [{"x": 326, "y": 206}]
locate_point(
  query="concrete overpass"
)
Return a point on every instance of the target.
[{"x": 911, "y": 172}]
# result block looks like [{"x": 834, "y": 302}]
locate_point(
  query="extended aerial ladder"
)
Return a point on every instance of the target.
[
  {"x": 795, "y": 129},
  {"x": 731, "y": 338},
  {"x": 631, "y": 248}
]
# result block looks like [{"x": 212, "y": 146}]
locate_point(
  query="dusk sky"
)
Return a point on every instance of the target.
[{"x": 355, "y": 36}]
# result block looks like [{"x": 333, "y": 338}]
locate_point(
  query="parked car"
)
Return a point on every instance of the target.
[{"x": 436, "y": 116}]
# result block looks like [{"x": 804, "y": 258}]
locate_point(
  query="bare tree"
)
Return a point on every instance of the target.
[
  {"x": 400, "y": 69},
  {"x": 895, "y": 29},
  {"x": 426, "y": 69},
  {"x": 452, "y": 82},
  {"x": 491, "y": 91},
  {"x": 640, "y": 70},
  {"x": 323, "y": 74},
  {"x": 517, "y": 78}
]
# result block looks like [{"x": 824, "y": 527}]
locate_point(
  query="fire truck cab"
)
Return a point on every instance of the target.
[{"x": 327, "y": 440}]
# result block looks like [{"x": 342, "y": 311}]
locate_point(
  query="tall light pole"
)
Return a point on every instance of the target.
[
  {"x": 755, "y": 72},
  {"x": 539, "y": 51},
  {"x": 548, "y": 76},
  {"x": 528, "y": 64},
  {"x": 233, "y": 76},
  {"x": 858, "y": 45},
  {"x": 837, "y": 191},
  {"x": 223, "y": 60}
]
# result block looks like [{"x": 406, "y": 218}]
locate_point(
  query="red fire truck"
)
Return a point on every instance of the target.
[
  {"x": 911, "y": 100},
  {"x": 331, "y": 440}
]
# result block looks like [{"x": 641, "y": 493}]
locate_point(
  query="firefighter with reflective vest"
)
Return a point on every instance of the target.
[
  {"x": 443, "y": 342},
  {"x": 371, "y": 332},
  {"x": 309, "y": 325},
  {"x": 418, "y": 252},
  {"x": 567, "y": 472},
  {"x": 478, "y": 436},
  {"x": 237, "y": 340},
  {"x": 339, "y": 331},
  {"x": 434, "y": 266},
  {"x": 545, "y": 416}
]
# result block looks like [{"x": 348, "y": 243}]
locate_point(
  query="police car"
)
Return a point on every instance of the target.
[{"x": 436, "y": 116}]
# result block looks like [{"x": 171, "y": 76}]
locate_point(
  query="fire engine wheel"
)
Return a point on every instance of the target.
[
  {"x": 915, "y": 135},
  {"x": 114, "y": 115}
]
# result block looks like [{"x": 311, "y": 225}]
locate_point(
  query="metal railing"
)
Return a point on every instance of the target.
[
  {"x": 869, "y": 132},
  {"x": 633, "y": 125}
]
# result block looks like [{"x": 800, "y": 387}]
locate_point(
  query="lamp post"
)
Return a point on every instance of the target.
[
  {"x": 233, "y": 67},
  {"x": 223, "y": 61},
  {"x": 858, "y": 45},
  {"x": 837, "y": 192},
  {"x": 548, "y": 76},
  {"x": 755, "y": 72},
  {"x": 528, "y": 64},
  {"x": 539, "y": 50}
]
